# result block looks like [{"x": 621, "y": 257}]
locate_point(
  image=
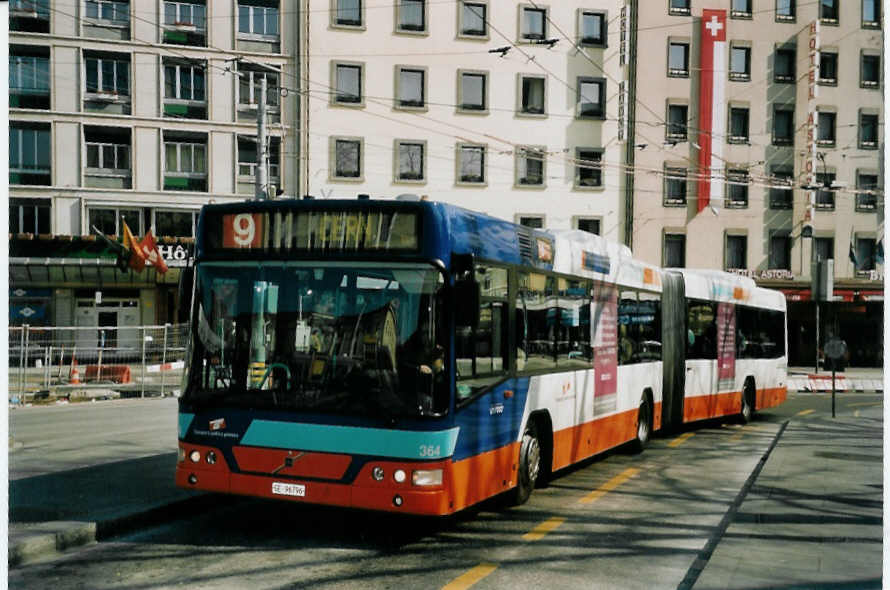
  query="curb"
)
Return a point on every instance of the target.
[{"x": 30, "y": 542}]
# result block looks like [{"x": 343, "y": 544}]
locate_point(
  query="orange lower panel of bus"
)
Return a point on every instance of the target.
[
  {"x": 727, "y": 404},
  {"x": 577, "y": 443},
  {"x": 465, "y": 482}
]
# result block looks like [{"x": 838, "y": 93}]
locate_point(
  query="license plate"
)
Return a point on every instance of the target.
[{"x": 288, "y": 489}]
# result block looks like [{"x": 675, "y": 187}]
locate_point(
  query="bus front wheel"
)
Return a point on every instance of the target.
[{"x": 529, "y": 465}]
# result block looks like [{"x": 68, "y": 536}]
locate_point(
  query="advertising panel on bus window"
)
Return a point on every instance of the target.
[
  {"x": 604, "y": 335},
  {"x": 725, "y": 346}
]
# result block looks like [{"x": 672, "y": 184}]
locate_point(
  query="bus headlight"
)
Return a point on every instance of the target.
[
  {"x": 399, "y": 475},
  {"x": 195, "y": 456},
  {"x": 211, "y": 457},
  {"x": 427, "y": 477},
  {"x": 377, "y": 473}
]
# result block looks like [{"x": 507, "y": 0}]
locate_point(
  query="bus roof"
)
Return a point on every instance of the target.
[{"x": 717, "y": 285}]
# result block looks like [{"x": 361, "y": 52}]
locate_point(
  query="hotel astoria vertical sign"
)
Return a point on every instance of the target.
[{"x": 812, "y": 116}]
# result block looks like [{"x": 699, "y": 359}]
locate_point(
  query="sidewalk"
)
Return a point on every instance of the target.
[
  {"x": 852, "y": 379},
  {"x": 813, "y": 517}
]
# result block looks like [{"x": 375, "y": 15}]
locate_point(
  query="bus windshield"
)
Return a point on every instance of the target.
[{"x": 347, "y": 338}]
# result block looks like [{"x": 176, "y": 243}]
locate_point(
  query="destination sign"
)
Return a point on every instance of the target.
[{"x": 328, "y": 230}]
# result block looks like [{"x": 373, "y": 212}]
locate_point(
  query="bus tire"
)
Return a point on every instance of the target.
[
  {"x": 644, "y": 426},
  {"x": 748, "y": 396},
  {"x": 529, "y": 465}
]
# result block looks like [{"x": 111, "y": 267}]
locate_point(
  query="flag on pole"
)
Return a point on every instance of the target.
[
  {"x": 123, "y": 254},
  {"x": 151, "y": 253},
  {"x": 712, "y": 110},
  {"x": 137, "y": 258},
  {"x": 853, "y": 258}
]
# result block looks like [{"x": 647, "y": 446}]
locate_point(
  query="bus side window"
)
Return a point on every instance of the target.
[
  {"x": 701, "y": 327},
  {"x": 573, "y": 342},
  {"x": 539, "y": 293},
  {"x": 627, "y": 310},
  {"x": 481, "y": 354}
]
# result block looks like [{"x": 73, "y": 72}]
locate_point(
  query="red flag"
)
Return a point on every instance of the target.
[
  {"x": 137, "y": 258},
  {"x": 149, "y": 249}
]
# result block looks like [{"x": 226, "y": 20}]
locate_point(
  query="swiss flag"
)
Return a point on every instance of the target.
[
  {"x": 137, "y": 259},
  {"x": 150, "y": 251}
]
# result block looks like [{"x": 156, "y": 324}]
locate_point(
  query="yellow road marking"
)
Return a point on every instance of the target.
[
  {"x": 805, "y": 412},
  {"x": 737, "y": 436},
  {"x": 471, "y": 577},
  {"x": 856, "y": 414},
  {"x": 542, "y": 529},
  {"x": 860, "y": 404},
  {"x": 609, "y": 485},
  {"x": 681, "y": 439}
]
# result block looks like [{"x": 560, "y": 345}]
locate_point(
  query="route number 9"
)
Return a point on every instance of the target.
[{"x": 242, "y": 230}]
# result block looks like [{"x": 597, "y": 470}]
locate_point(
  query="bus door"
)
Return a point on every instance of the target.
[{"x": 700, "y": 389}]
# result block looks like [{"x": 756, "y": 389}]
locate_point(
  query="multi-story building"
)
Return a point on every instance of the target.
[
  {"x": 511, "y": 108},
  {"x": 136, "y": 112},
  {"x": 759, "y": 132}
]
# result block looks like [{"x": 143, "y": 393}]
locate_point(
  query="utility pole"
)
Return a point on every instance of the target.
[{"x": 261, "y": 188}]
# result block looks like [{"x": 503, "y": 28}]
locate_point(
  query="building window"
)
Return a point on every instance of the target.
[
  {"x": 870, "y": 71},
  {"x": 29, "y": 216},
  {"x": 474, "y": 19},
  {"x": 110, "y": 220},
  {"x": 347, "y": 156},
  {"x": 825, "y": 196},
  {"x": 473, "y": 95},
  {"x": 30, "y": 16},
  {"x": 829, "y": 12},
  {"x": 107, "y": 157},
  {"x": 823, "y": 249},
  {"x": 741, "y": 9},
  {"x": 781, "y": 194},
  {"x": 175, "y": 223},
  {"x": 108, "y": 13},
  {"x": 871, "y": 14},
  {"x": 185, "y": 23},
  {"x": 247, "y": 163},
  {"x": 593, "y": 28},
  {"x": 676, "y": 123},
  {"x": 785, "y": 66},
  {"x": 828, "y": 68},
  {"x": 679, "y": 7},
  {"x": 107, "y": 74},
  {"x": 786, "y": 10},
  {"x": 674, "y": 252},
  {"x": 348, "y": 84},
  {"x": 250, "y": 81},
  {"x": 589, "y": 224},
  {"x": 530, "y": 166},
  {"x": 780, "y": 252},
  {"x": 184, "y": 89},
  {"x": 783, "y": 125},
  {"x": 29, "y": 81},
  {"x": 532, "y": 95},
  {"x": 589, "y": 168},
  {"x": 29, "y": 153},
  {"x": 865, "y": 254},
  {"x": 411, "y": 16},
  {"x": 471, "y": 164},
  {"x": 738, "y": 125},
  {"x": 674, "y": 186},
  {"x": 411, "y": 161},
  {"x": 736, "y": 189},
  {"x": 591, "y": 98},
  {"x": 866, "y": 201},
  {"x": 348, "y": 13},
  {"x": 678, "y": 59},
  {"x": 185, "y": 162},
  {"x": 412, "y": 88},
  {"x": 868, "y": 131},
  {"x": 740, "y": 63},
  {"x": 825, "y": 127},
  {"x": 533, "y": 221},
  {"x": 258, "y": 19},
  {"x": 534, "y": 23},
  {"x": 736, "y": 252}
]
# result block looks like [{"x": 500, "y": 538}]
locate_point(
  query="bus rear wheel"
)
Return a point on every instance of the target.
[
  {"x": 747, "y": 412},
  {"x": 529, "y": 465},
  {"x": 644, "y": 426}
]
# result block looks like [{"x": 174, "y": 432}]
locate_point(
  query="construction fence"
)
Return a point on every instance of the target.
[{"x": 79, "y": 362}]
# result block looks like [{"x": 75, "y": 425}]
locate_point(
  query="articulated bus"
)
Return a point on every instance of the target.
[{"x": 412, "y": 356}]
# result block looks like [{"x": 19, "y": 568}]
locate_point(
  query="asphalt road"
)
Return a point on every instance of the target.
[{"x": 701, "y": 509}]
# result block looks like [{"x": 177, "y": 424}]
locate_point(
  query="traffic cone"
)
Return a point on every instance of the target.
[{"x": 74, "y": 377}]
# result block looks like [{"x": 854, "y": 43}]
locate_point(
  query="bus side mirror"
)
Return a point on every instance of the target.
[
  {"x": 185, "y": 290},
  {"x": 466, "y": 301}
]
